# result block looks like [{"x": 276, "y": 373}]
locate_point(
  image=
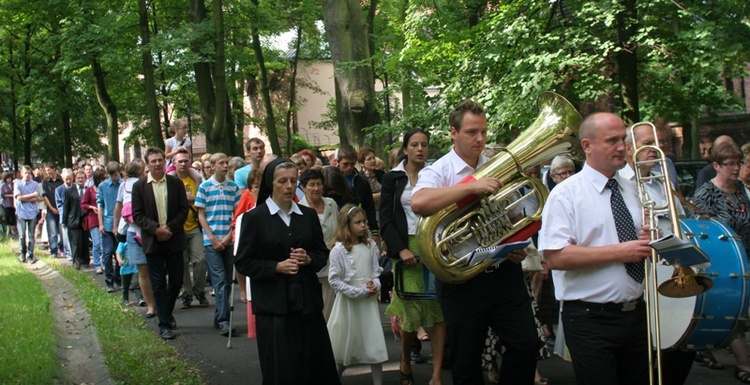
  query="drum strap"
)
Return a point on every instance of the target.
[{"x": 689, "y": 204}]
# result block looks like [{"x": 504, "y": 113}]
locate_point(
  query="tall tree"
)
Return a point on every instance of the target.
[
  {"x": 148, "y": 75},
  {"x": 349, "y": 44}
]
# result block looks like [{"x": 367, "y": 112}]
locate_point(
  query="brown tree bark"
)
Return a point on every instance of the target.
[
  {"x": 109, "y": 108},
  {"x": 202, "y": 71},
  {"x": 627, "y": 63},
  {"x": 148, "y": 75},
  {"x": 265, "y": 94},
  {"x": 290, "y": 115},
  {"x": 218, "y": 138},
  {"x": 348, "y": 41}
]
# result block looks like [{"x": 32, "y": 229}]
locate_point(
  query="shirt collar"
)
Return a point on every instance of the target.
[
  {"x": 627, "y": 172},
  {"x": 459, "y": 165},
  {"x": 150, "y": 179},
  {"x": 597, "y": 179},
  {"x": 401, "y": 166},
  {"x": 273, "y": 208},
  {"x": 215, "y": 182}
]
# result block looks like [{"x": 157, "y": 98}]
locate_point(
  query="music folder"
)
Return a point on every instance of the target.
[
  {"x": 495, "y": 253},
  {"x": 679, "y": 252}
]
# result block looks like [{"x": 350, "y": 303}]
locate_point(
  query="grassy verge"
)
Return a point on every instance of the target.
[
  {"x": 133, "y": 353},
  {"x": 27, "y": 339}
]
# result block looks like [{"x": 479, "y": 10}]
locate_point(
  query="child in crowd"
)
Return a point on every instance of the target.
[
  {"x": 179, "y": 140},
  {"x": 354, "y": 326},
  {"x": 127, "y": 270}
]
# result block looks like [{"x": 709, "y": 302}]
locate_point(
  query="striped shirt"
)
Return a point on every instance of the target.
[{"x": 219, "y": 200}]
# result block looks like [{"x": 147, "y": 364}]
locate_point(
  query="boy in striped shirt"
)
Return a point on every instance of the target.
[{"x": 215, "y": 201}]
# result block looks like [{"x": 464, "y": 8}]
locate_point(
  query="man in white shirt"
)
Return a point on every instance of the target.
[
  {"x": 495, "y": 298},
  {"x": 603, "y": 315}
]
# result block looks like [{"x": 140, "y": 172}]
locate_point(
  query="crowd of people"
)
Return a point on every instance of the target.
[{"x": 322, "y": 244}]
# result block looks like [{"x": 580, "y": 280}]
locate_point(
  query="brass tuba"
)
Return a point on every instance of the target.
[{"x": 448, "y": 238}]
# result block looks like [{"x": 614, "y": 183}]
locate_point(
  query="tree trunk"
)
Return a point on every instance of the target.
[
  {"x": 695, "y": 137},
  {"x": 148, "y": 75},
  {"x": 627, "y": 62},
  {"x": 66, "y": 135},
  {"x": 203, "y": 80},
  {"x": 109, "y": 108},
  {"x": 293, "y": 89},
  {"x": 218, "y": 137},
  {"x": 349, "y": 45},
  {"x": 238, "y": 113},
  {"x": 265, "y": 94}
]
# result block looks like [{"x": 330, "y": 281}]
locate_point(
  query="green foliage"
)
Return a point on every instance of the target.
[{"x": 503, "y": 55}]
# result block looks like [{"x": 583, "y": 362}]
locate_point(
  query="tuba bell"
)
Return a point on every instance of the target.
[{"x": 447, "y": 239}]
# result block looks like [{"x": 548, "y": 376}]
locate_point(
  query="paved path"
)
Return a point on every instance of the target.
[{"x": 200, "y": 343}]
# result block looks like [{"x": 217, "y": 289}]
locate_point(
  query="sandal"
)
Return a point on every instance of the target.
[
  {"x": 742, "y": 375},
  {"x": 707, "y": 358},
  {"x": 406, "y": 379}
]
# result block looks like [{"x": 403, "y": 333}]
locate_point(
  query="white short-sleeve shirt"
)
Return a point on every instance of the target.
[
  {"x": 446, "y": 171},
  {"x": 578, "y": 212}
]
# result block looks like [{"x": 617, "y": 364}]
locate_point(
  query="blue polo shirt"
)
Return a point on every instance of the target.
[
  {"x": 106, "y": 197},
  {"x": 25, "y": 210},
  {"x": 219, "y": 201}
]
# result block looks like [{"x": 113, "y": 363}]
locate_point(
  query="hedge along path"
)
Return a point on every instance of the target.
[{"x": 78, "y": 349}]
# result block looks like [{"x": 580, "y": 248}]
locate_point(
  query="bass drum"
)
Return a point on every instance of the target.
[{"x": 709, "y": 320}]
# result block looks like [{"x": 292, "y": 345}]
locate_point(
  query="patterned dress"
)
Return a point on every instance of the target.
[{"x": 732, "y": 209}]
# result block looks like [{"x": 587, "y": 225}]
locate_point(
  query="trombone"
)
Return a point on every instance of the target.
[{"x": 684, "y": 282}]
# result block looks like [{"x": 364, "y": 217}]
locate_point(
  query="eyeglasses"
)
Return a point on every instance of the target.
[
  {"x": 564, "y": 173},
  {"x": 733, "y": 164}
]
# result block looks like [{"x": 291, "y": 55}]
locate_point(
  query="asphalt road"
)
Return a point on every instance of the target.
[{"x": 200, "y": 343}]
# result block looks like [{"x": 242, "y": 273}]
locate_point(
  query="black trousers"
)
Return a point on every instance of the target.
[
  {"x": 295, "y": 349},
  {"x": 498, "y": 300},
  {"x": 79, "y": 246},
  {"x": 607, "y": 346},
  {"x": 165, "y": 270}
]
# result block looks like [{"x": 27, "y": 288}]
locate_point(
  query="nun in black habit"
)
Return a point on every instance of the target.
[{"x": 281, "y": 248}]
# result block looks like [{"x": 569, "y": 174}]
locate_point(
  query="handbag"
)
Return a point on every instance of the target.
[
  {"x": 398, "y": 283},
  {"x": 532, "y": 262}
]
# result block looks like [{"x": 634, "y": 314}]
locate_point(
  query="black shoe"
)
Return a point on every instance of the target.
[
  {"x": 166, "y": 334},
  {"x": 417, "y": 358},
  {"x": 202, "y": 301},
  {"x": 110, "y": 286},
  {"x": 186, "y": 303},
  {"x": 31, "y": 260},
  {"x": 173, "y": 323},
  {"x": 126, "y": 302}
]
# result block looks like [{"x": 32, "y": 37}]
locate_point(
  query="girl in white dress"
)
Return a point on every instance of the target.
[{"x": 354, "y": 326}]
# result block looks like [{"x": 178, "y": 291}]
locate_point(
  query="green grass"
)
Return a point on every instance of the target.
[
  {"x": 27, "y": 338},
  {"x": 133, "y": 353}
]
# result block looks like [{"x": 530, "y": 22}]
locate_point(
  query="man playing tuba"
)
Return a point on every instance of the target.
[{"x": 496, "y": 298}]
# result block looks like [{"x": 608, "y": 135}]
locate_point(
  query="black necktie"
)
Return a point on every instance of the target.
[
  {"x": 625, "y": 228},
  {"x": 80, "y": 191}
]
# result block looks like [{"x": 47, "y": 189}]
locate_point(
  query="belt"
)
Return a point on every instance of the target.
[{"x": 608, "y": 306}]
